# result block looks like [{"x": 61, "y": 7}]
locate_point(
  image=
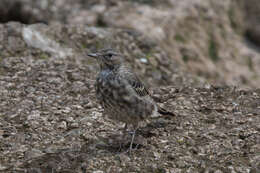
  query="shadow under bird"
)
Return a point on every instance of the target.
[{"x": 121, "y": 93}]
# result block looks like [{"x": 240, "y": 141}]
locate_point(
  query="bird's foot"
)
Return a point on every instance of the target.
[{"x": 132, "y": 142}]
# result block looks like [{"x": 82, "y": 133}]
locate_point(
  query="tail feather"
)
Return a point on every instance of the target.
[{"x": 164, "y": 111}]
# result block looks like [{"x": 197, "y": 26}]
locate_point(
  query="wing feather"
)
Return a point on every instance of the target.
[
  {"x": 134, "y": 81},
  {"x": 139, "y": 88}
]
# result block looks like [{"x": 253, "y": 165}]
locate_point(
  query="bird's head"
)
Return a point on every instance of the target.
[{"x": 107, "y": 58}]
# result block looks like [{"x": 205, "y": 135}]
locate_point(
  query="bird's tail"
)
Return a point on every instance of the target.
[{"x": 164, "y": 111}]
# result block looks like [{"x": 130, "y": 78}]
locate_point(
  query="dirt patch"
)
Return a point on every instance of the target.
[{"x": 50, "y": 120}]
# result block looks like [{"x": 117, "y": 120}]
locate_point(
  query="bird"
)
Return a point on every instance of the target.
[{"x": 121, "y": 93}]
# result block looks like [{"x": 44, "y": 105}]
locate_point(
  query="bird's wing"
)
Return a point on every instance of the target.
[
  {"x": 138, "y": 86},
  {"x": 135, "y": 82}
]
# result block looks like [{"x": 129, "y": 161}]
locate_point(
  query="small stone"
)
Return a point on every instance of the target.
[
  {"x": 33, "y": 153},
  {"x": 180, "y": 164},
  {"x": 69, "y": 119},
  {"x": 124, "y": 159},
  {"x": 34, "y": 115},
  {"x": 144, "y": 60},
  {"x": 175, "y": 170},
  {"x": 156, "y": 155},
  {"x": 74, "y": 125},
  {"x": 98, "y": 171},
  {"x": 88, "y": 105},
  {"x": 51, "y": 149},
  {"x": 77, "y": 107},
  {"x": 62, "y": 125},
  {"x": 66, "y": 110},
  {"x": 2, "y": 167},
  {"x": 1, "y": 133}
]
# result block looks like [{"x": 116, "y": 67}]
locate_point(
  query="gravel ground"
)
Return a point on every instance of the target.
[{"x": 50, "y": 120}]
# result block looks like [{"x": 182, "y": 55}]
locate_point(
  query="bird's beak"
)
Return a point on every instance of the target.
[{"x": 93, "y": 55}]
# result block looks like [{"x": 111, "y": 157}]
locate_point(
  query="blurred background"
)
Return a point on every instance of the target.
[{"x": 212, "y": 41}]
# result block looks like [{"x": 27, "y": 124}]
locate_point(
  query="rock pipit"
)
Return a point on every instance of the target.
[{"x": 121, "y": 93}]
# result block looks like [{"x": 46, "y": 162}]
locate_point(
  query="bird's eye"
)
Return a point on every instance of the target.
[{"x": 109, "y": 55}]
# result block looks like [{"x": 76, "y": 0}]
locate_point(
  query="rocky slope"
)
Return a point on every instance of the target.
[
  {"x": 50, "y": 120},
  {"x": 214, "y": 40}
]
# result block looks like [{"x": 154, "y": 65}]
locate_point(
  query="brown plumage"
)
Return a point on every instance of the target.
[{"x": 121, "y": 93}]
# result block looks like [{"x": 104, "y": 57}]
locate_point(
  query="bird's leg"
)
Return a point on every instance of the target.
[
  {"x": 132, "y": 141},
  {"x": 133, "y": 137}
]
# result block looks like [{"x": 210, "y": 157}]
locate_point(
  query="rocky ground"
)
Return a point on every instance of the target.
[
  {"x": 218, "y": 41},
  {"x": 50, "y": 120}
]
